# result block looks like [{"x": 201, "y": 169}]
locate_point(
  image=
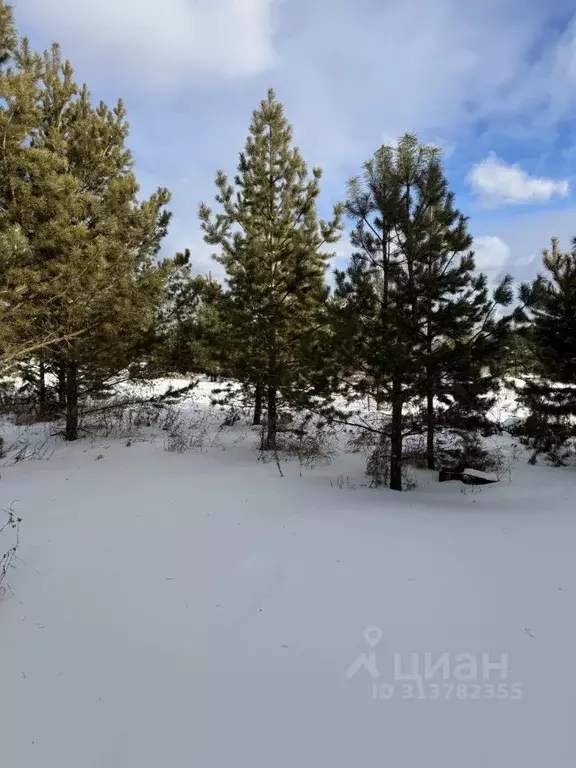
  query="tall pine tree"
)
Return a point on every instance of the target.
[
  {"x": 411, "y": 316},
  {"x": 549, "y": 393},
  {"x": 119, "y": 285},
  {"x": 33, "y": 182},
  {"x": 460, "y": 331},
  {"x": 271, "y": 245},
  {"x": 92, "y": 243}
]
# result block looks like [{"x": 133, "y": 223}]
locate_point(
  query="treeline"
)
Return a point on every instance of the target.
[{"x": 410, "y": 324}]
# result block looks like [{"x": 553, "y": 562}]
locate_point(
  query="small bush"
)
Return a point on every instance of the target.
[
  {"x": 555, "y": 439},
  {"x": 31, "y": 444},
  {"x": 362, "y": 441},
  {"x": 119, "y": 418},
  {"x": 312, "y": 444},
  {"x": 458, "y": 450},
  {"x": 19, "y": 403},
  {"x": 197, "y": 431},
  {"x": 9, "y": 543},
  {"x": 376, "y": 448},
  {"x": 313, "y": 448},
  {"x": 378, "y": 465}
]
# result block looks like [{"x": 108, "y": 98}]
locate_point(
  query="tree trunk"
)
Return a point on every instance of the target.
[
  {"x": 272, "y": 426},
  {"x": 430, "y": 421},
  {"x": 396, "y": 438},
  {"x": 378, "y": 397},
  {"x": 430, "y": 380},
  {"x": 71, "y": 402},
  {"x": 258, "y": 405},
  {"x": 62, "y": 384},
  {"x": 42, "y": 386}
]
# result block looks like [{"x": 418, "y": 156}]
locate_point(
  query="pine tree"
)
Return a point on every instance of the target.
[
  {"x": 462, "y": 335},
  {"x": 435, "y": 244},
  {"x": 29, "y": 182},
  {"x": 54, "y": 205},
  {"x": 78, "y": 273},
  {"x": 374, "y": 337},
  {"x": 271, "y": 242},
  {"x": 414, "y": 322},
  {"x": 8, "y": 37},
  {"x": 550, "y": 392},
  {"x": 18, "y": 89},
  {"x": 189, "y": 327},
  {"x": 90, "y": 239},
  {"x": 118, "y": 284}
]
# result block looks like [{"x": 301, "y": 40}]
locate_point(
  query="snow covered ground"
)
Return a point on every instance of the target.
[{"x": 199, "y": 610}]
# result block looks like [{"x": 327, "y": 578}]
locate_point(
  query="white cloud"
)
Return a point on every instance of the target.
[
  {"x": 499, "y": 183},
  {"x": 526, "y": 234},
  {"x": 158, "y": 43},
  {"x": 446, "y": 147},
  {"x": 492, "y": 254}
]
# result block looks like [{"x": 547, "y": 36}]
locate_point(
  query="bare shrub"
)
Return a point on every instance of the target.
[
  {"x": 376, "y": 447},
  {"x": 361, "y": 441},
  {"x": 378, "y": 464},
  {"x": 9, "y": 541},
  {"x": 120, "y": 418},
  {"x": 29, "y": 445},
  {"x": 233, "y": 417},
  {"x": 342, "y": 482},
  {"x": 313, "y": 444},
  {"x": 188, "y": 431},
  {"x": 170, "y": 417},
  {"x": 414, "y": 453}
]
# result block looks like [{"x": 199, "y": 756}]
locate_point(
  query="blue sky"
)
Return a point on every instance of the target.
[{"x": 493, "y": 82}]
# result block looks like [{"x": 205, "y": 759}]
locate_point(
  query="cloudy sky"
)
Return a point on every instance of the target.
[{"x": 493, "y": 82}]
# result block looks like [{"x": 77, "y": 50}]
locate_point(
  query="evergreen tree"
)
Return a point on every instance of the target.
[
  {"x": 374, "y": 337},
  {"x": 271, "y": 242},
  {"x": 550, "y": 392},
  {"x": 54, "y": 203},
  {"x": 8, "y": 37},
  {"x": 414, "y": 322},
  {"x": 435, "y": 245},
  {"x": 189, "y": 330},
  {"x": 117, "y": 284},
  {"x": 91, "y": 244},
  {"x": 30, "y": 184},
  {"x": 462, "y": 334}
]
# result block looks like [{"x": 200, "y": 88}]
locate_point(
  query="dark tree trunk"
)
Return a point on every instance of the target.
[
  {"x": 430, "y": 378},
  {"x": 396, "y": 438},
  {"x": 258, "y": 405},
  {"x": 430, "y": 422},
  {"x": 272, "y": 425},
  {"x": 42, "y": 386},
  {"x": 62, "y": 384},
  {"x": 378, "y": 397},
  {"x": 272, "y": 394},
  {"x": 71, "y": 402}
]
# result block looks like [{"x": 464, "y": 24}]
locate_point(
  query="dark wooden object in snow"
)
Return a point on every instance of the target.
[
  {"x": 475, "y": 477},
  {"x": 449, "y": 474},
  {"x": 467, "y": 476}
]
